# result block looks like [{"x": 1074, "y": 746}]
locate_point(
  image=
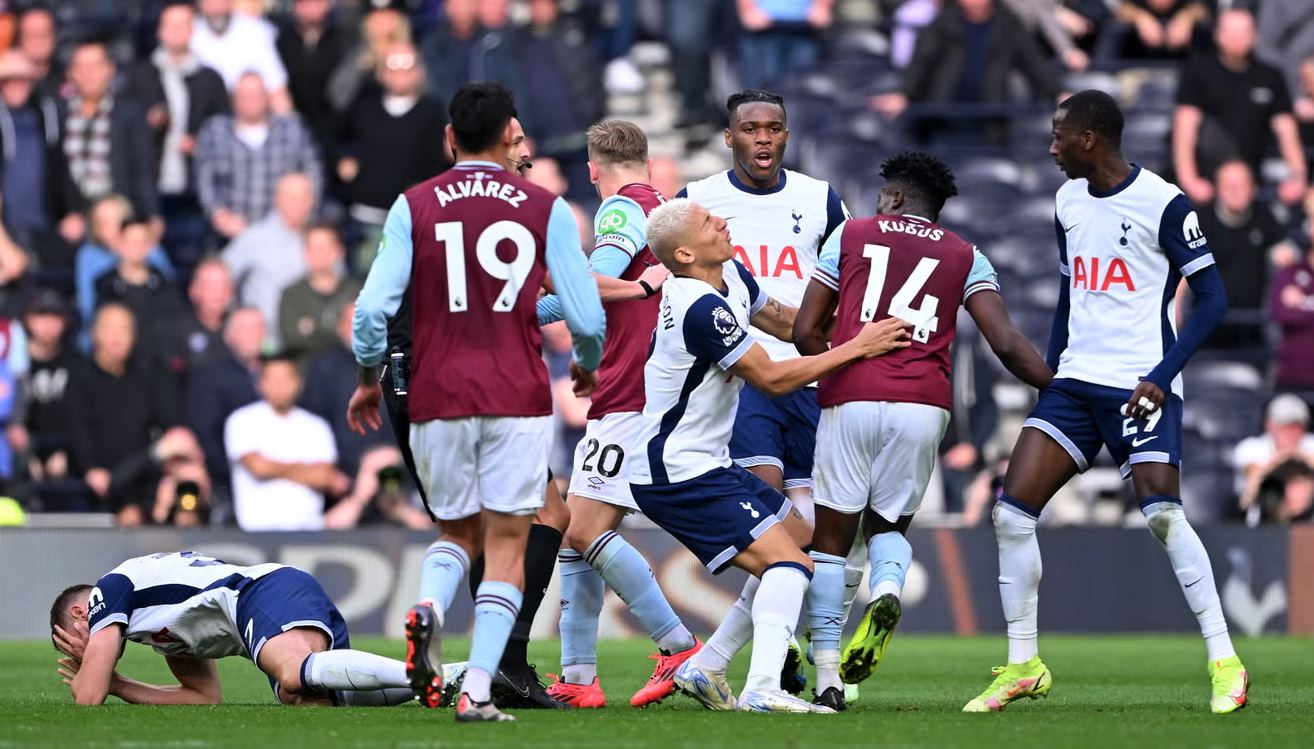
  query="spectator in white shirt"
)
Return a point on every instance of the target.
[
  {"x": 234, "y": 44},
  {"x": 282, "y": 457},
  {"x": 1274, "y": 468}
]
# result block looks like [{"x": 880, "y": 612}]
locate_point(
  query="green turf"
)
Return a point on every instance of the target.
[{"x": 1109, "y": 692}]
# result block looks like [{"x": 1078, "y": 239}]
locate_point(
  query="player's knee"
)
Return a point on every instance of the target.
[
  {"x": 1161, "y": 516},
  {"x": 1011, "y": 525}
]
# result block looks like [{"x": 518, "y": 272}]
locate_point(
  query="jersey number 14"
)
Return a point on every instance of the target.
[
  {"x": 452, "y": 235},
  {"x": 923, "y": 318}
]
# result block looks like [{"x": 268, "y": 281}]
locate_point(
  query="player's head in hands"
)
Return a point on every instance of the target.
[
  {"x": 916, "y": 183},
  {"x": 686, "y": 237},
  {"x": 618, "y": 155},
  {"x": 70, "y": 606},
  {"x": 483, "y": 123},
  {"x": 757, "y": 136},
  {"x": 1087, "y": 133}
]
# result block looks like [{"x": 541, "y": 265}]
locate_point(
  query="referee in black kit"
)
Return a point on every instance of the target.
[{"x": 517, "y": 684}]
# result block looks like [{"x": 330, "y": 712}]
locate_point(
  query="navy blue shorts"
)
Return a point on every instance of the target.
[
  {"x": 286, "y": 599},
  {"x": 716, "y": 515},
  {"x": 1083, "y": 417},
  {"x": 780, "y": 432}
]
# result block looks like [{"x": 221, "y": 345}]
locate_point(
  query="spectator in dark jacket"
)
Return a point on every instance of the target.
[
  {"x": 966, "y": 56},
  {"x": 33, "y": 175},
  {"x": 199, "y": 339},
  {"x": 308, "y": 309},
  {"x": 563, "y": 91},
  {"x": 1233, "y": 106},
  {"x": 388, "y": 141},
  {"x": 179, "y": 94},
  {"x": 312, "y": 47},
  {"x": 107, "y": 148},
  {"x": 120, "y": 406},
  {"x": 474, "y": 45},
  {"x": 53, "y": 364},
  {"x": 219, "y": 388},
  {"x": 37, "y": 39},
  {"x": 153, "y": 298}
]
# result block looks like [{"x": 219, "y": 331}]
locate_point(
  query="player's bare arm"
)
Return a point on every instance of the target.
[
  {"x": 1013, "y": 349},
  {"x": 90, "y": 680},
  {"x": 779, "y": 377},
  {"x": 776, "y": 319},
  {"x": 812, "y": 323}
]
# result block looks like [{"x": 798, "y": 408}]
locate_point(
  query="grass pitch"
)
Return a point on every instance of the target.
[{"x": 1108, "y": 692}]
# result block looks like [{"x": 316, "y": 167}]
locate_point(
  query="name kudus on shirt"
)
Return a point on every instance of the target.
[{"x": 480, "y": 185}]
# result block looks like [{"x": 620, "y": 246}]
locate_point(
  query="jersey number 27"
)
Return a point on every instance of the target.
[
  {"x": 452, "y": 235},
  {"x": 923, "y": 318}
]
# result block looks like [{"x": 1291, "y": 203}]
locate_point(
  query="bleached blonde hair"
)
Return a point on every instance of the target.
[{"x": 668, "y": 228}]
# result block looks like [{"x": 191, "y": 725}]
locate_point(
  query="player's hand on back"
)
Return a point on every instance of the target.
[
  {"x": 363, "y": 410},
  {"x": 877, "y": 338},
  {"x": 655, "y": 276},
  {"x": 1145, "y": 400},
  {"x": 586, "y": 380}
]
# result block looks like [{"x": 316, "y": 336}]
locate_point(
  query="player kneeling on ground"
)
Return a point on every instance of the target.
[
  {"x": 193, "y": 609},
  {"x": 683, "y": 478}
]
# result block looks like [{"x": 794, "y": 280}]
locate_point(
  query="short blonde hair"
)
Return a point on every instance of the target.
[
  {"x": 617, "y": 142},
  {"x": 668, "y": 227}
]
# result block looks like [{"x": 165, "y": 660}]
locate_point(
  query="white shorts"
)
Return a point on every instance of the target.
[
  {"x": 495, "y": 462},
  {"x": 877, "y": 455},
  {"x": 600, "y": 458}
]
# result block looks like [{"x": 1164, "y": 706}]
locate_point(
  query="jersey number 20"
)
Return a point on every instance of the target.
[
  {"x": 923, "y": 318},
  {"x": 452, "y": 235}
]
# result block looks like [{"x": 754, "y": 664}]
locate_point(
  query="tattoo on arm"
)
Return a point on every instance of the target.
[{"x": 774, "y": 307}]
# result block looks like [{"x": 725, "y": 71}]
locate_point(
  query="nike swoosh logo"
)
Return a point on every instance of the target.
[
  {"x": 1197, "y": 580},
  {"x": 1143, "y": 440},
  {"x": 853, "y": 585},
  {"x": 1067, "y": 229}
]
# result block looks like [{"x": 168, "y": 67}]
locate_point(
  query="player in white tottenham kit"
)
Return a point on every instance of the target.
[
  {"x": 1126, "y": 238},
  {"x": 682, "y": 477},
  {"x": 778, "y": 221},
  {"x": 193, "y": 609}
]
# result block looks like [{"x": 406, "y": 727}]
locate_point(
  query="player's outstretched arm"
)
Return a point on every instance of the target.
[
  {"x": 776, "y": 319},
  {"x": 198, "y": 684},
  {"x": 1008, "y": 343},
  {"x": 811, "y": 335},
  {"x": 775, "y": 378},
  {"x": 580, "y": 304}
]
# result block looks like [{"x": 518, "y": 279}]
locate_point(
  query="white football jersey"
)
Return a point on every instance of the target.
[
  {"x": 691, "y": 396},
  {"x": 180, "y": 603},
  {"x": 777, "y": 233},
  {"x": 1123, "y": 254}
]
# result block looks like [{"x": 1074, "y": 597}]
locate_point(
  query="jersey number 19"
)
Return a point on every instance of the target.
[
  {"x": 923, "y": 318},
  {"x": 452, "y": 235}
]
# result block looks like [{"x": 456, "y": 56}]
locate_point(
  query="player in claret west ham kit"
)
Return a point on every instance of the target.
[
  {"x": 883, "y": 419},
  {"x": 473, "y": 246},
  {"x": 1126, "y": 238}
]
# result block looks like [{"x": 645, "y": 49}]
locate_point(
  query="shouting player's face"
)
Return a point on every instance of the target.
[
  {"x": 1071, "y": 147},
  {"x": 756, "y": 138},
  {"x": 709, "y": 238}
]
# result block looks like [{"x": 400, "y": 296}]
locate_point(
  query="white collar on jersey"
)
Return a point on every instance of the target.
[
  {"x": 919, "y": 218},
  {"x": 477, "y": 165},
  {"x": 739, "y": 185}
]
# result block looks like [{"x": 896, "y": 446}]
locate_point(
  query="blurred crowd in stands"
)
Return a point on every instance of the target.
[{"x": 191, "y": 194}]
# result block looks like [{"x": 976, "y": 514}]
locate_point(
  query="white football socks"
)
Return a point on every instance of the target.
[
  {"x": 734, "y": 632},
  {"x": 775, "y": 612},
  {"x": 1019, "y": 578},
  {"x": 352, "y": 670},
  {"x": 1194, "y": 573}
]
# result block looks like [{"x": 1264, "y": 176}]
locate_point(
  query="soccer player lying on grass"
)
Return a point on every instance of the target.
[{"x": 193, "y": 609}]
